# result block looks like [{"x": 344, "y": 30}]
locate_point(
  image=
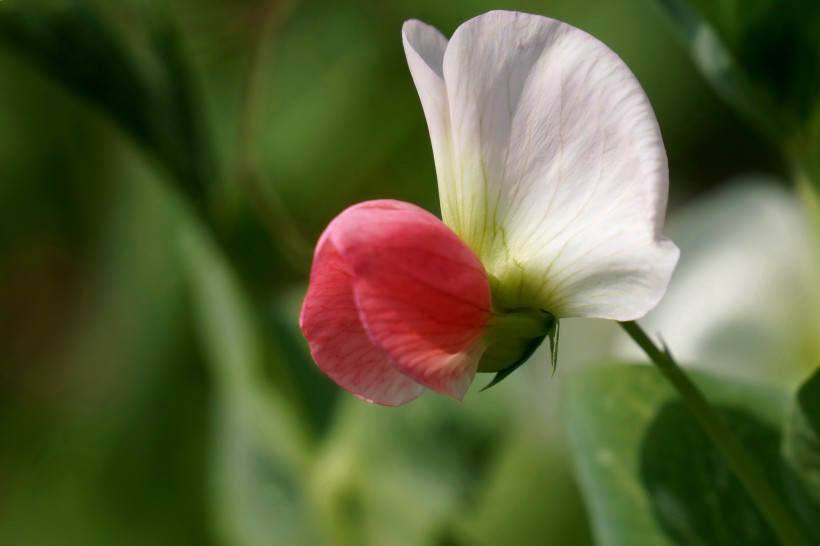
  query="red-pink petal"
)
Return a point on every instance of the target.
[
  {"x": 423, "y": 296},
  {"x": 338, "y": 342}
]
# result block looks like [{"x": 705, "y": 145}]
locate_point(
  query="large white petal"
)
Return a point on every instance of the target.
[{"x": 558, "y": 177}]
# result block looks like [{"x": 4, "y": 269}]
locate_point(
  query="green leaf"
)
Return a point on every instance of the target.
[
  {"x": 401, "y": 476},
  {"x": 648, "y": 473},
  {"x": 694, "y": 494},
  {"x": 263, "y": 446},
  {"x": 532, "y": 469},
  {"x": 231, "y": 336},
  {"x": 257, "y": 501},
  {"x": 802, "y": 439},
  {"x": 147, "y": 92},
  {"x": 127, "y": 433},
  {"x": 762, "y": 56}
]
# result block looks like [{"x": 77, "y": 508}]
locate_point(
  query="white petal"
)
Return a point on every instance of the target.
[
  {"x": 424, "y": 47},
  {"x": 559, "y": 176}
]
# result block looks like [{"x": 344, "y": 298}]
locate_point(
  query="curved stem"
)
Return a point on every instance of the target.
[
  {"x": 271, "y": 211},
  {"x": 744, "y": 467}
]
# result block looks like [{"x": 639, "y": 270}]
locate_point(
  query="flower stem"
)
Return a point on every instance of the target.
[
  {"x": 744, "y": 467},
  {"x": 807, "y": 182},
  {"x": 275, "y": 217}
]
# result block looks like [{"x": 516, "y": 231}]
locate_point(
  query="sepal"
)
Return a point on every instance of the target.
[{"x": 514, "y": 337}]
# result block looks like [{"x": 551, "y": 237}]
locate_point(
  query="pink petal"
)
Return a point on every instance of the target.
[
  {"x": 423, "y": 296},
  {"x": 338, "y": 341}
]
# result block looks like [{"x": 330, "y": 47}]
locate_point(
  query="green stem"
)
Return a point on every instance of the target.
[
  {"x": 736, "y": 456},
  {"x": 807, "y": 182},
  {"x": 273, "y": 214}
]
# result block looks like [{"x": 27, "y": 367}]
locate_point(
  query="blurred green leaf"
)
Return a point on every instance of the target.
[
  {"x": 441, "y": 472},
  {"x": 399, "y": 476},
  {"x": 531, "y": 469},
  {"x": 236, "y": 350},
  {"x": 106, "y": 444},
  {"x": 606, "y": 415},
  {"x": 694, "y": 493},
  {"x": 148, "y": 93},
  {"x": 263, "y": 449},
  {"x": 257, "y": 501},
  {"x": 763, "y": 56},
  {"x": 648, "y": 475},
  {"x": 802, "y": 440},
  {"x": 319, "y": 91}
]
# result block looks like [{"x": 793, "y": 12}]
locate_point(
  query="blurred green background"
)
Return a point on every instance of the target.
[{"x": 154, "y": 387}]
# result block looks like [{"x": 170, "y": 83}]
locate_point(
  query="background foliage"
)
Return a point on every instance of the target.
[{"x": 166, "y": 168}]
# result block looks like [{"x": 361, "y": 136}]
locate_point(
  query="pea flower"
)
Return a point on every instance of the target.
[{"x": 553, "y": 183}]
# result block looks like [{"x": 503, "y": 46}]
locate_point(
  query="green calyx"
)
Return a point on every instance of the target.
[{"x": 513, "y": 336}]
